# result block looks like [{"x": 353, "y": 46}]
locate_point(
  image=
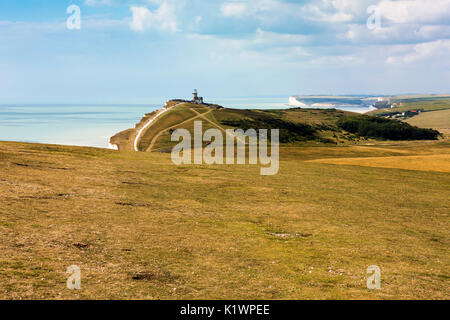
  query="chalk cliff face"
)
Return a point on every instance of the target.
[
  {"x": 124, "y": 141},
  {"x": 294, "y": 102}
]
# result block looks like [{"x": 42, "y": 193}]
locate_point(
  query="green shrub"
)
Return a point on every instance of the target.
[
  {"x": 381, "y": 128},
  {"x": 289, "y": 131}
]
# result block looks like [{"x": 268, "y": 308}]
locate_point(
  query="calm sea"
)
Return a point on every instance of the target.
[{"x": 93, "y": 125}]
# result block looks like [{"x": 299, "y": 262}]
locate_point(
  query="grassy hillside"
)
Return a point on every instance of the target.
[
  {"x": 436, "y": 120},
  {"x": 142, "y": 228},
  {"x": 310, "y": 126},
  {"x": 171, "y": 119}
]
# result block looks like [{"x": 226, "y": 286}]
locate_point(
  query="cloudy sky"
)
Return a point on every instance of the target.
[{"x": 139, "y": 51}]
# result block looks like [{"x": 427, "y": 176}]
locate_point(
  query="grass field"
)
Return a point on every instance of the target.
[
  {"x": 439, "y": 163},
  {"x": 436, "y": 120},
  {"x": 424, "y": 102},
  {"x": 140, "y": 227}
]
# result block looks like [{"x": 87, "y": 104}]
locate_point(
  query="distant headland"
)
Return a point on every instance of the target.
[{"x": 305, "y": 123}]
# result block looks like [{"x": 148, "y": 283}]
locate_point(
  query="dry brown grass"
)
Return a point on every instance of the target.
[
  {"x": 435, "y": 120},
  {"x": 141, "y": 228},
  {"x": 438, "y": 163}
]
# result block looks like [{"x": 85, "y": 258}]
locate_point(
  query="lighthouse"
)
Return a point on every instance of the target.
[{"x": 196, "y": 98}]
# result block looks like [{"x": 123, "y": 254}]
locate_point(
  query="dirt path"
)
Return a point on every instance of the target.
[
  {"x": 155, "y": 138},
  {"x": 202, "y": 115},
  {"x": 217, "y": 126},
  {"x": 138, "y": 136},
  {"x": 199, "y": 115}
]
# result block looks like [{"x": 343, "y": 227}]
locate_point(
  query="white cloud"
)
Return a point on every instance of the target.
[
  {"x": 438, "y": 50},
  {"x": 264, "y": 48},
  {"x": 98, "y": 3},
  {"x": 234, "y": 9},
  {"x": 335, "y": 11},
  {"x": 260, "y": 40},
  {"x": 403, "y": 21},
  {"x": 314, "y": 12},
  {"x": 392, "y": 11},
  {"x": 415, "y": 11},
  {"x": 278, "y": 39},
  {"x": 433, "y": 31},
  {"x": 262, "y": 10},
  {"x": 163, "y": 18},
  {"x": 395, "y": 33},
  {"x": 337, "y": 61}
]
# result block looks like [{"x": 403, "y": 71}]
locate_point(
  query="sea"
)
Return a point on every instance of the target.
[{"x": 93, "y": 125}]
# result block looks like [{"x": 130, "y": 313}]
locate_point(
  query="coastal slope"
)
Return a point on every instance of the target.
[{"x": 296, "y": 125}]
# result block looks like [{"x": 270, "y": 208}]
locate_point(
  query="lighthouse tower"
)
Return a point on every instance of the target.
[{"x": 196, "y": 98}]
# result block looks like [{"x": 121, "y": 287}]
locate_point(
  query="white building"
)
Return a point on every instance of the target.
[{"x": 196, "y": 98}]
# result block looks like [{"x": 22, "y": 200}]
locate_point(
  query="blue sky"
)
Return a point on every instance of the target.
[{"x": 140, "y": 51}]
